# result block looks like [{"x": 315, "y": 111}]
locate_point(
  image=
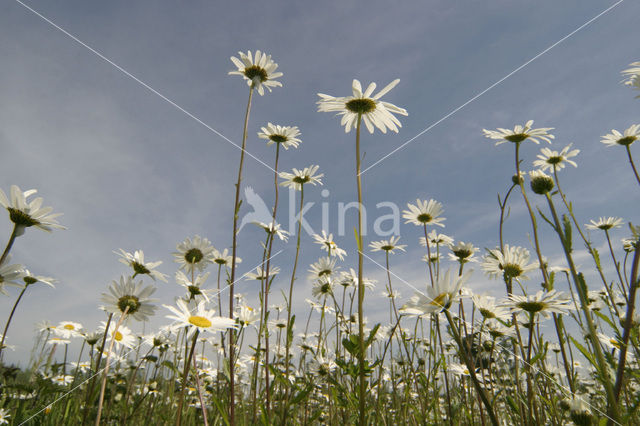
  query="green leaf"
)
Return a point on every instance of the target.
[
  {"x": 584, "y": 352},
  {"x": 566, "y": 223}
]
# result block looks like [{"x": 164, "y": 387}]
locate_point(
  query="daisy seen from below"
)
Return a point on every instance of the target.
[
  {"x": 30, "y": 278},
  {"x": 323, "y": 287},
  {"x": 513, "y": 263},
  {"x": 444, "y": 293},
  {"x": 200, "y": 318},
  {"x": 629, "y": 136},
  {"x": 387, "y": 245},
  {"x": 605, "y": 223},
  {"x": 260, "y": 274},
  {"x": 223, "y": 258},
  {"x": 258, "y": 69},
  {"x": 11, "y": 275},
  {"x": 373, "y": 111},
  {"x": 137, "y": 263},
  {"x": 194, "y": 288},
  {"x": 436, "y": 239},
  {"x": 519, "y": 134},
  {"x": 327, "y": 244},
  {"x": 424, "y": 213},
  {"x": 554, "y": 160},
  {"x": 298, "y": 178},
  {"x": 489, "y": 309},
  {"x": 543, "y": 303},
  {"x": 632, "y": 76},
  {"x": 325, "y": 266},
  {"x": 271, "y": 229},
  {"x": 25, "y": 214},
  {"x": 462, "y": 252},
  {"x": 196, "y": 253},
  {"x": 284, "y": 136},
  {"x": 541, "y": 183},
  {"x": 128, "y": 294}
]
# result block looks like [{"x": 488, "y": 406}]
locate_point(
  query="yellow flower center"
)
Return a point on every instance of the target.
[
  {"x": 69, "y": 327},
  {"x": 440, "y": 300},
  {"x": 118, "y": 336},
  {"x": 199, "y": 321}
]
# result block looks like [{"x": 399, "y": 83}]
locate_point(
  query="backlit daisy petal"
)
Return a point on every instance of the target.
[
  {"x": 519, "y": 134},
  {"x": 605, "y": 223},
  {"x": 285, "y": 136},
  {"x": 616, "y": 138},
  {"x": 374, "y": 113},
  {"x": 25, "y": 214},
  {"x": 257, "y": 70},
  {"x": 554, "y": 160}
]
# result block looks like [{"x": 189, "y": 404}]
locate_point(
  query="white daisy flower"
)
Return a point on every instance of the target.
[
  {"x": 298, "y": 178},
  {"x": 68, "y": 329},
  {"x": 26, "y": 214},
  {"x": 277, "y": 230},
  {"x": 437, "y": 239},
  {"x": 246, "y": 315},
  {"x": 29, "y": 279},
  {"x": 629, "y": 136},
  {"x": 284, "y": 136},
  {"x": 488, "y": 308},
  {"x": 462, "y": 252},
  {"x": 387, "y": 245},
  {"x": 323, "y": 267},
  {"x": 543, "y": 303},
  {"x": 632, "y": 76},
  {"x": 513, "y": 263},
  {"x": 373, "y": 111},
  {"x": 258, "y": 70},
  {"x": 541, "y": 183},
  {"x": 438, "y": 298},
  {"x": 424, "y": 213},
  {"x": 223, "y": 258},
  {"x": 194, "y": 288},
  {"x": 137, "y": 263},
  {"x": 123, "y": 337},
  {"x": 127, "y": 293},
  {"x": 350, "y": 279},
  {"x": 605, "y": 223},
  {"x": 196, "y": 253},
  {"x": 261, "y": 274},
  {"x": 322, "y": 287},
  {"x": 519, "y": 134},
  {"x": 10, "y": 275},
  {"x": 327, "y": 244},
  {"x": 554, "y": 160},
  {"x": 201, "y": 318},
  {"x": 62, "y": 380}
]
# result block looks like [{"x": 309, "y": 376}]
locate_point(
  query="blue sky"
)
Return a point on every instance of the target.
[{"x": 131, "y": 171}]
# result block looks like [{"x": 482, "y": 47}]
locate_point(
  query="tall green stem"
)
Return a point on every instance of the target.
[
  {"x": 236, "y": 208},
  {"x": 13, "y": 310},
  {"x": 633, "y": 166},
  {"x": 12, "y": 238},
  {"x": 584, "y": 304},
  {"x": 361, "y": 354}
]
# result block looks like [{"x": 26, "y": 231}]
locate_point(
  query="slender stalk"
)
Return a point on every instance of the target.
[
  {"x": 13, "y": 310},
  {"x": 12, "y": 238},
  {"x": 204, "y": 408},
  {"x": 602, "y": 364},
  {"x": 472, "y": 372},
  {"x": 106, "y": 367},
  {"x": 185, "y": 373},
  {"x": 236, "y": 208},
  {"x": 628, "y": 322},
  {"x": 293, "y": 278},
  {"x": 361, "y": 354},
  {"x": 266, "y": 293},
  {"x": 633, "y": 166}
]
